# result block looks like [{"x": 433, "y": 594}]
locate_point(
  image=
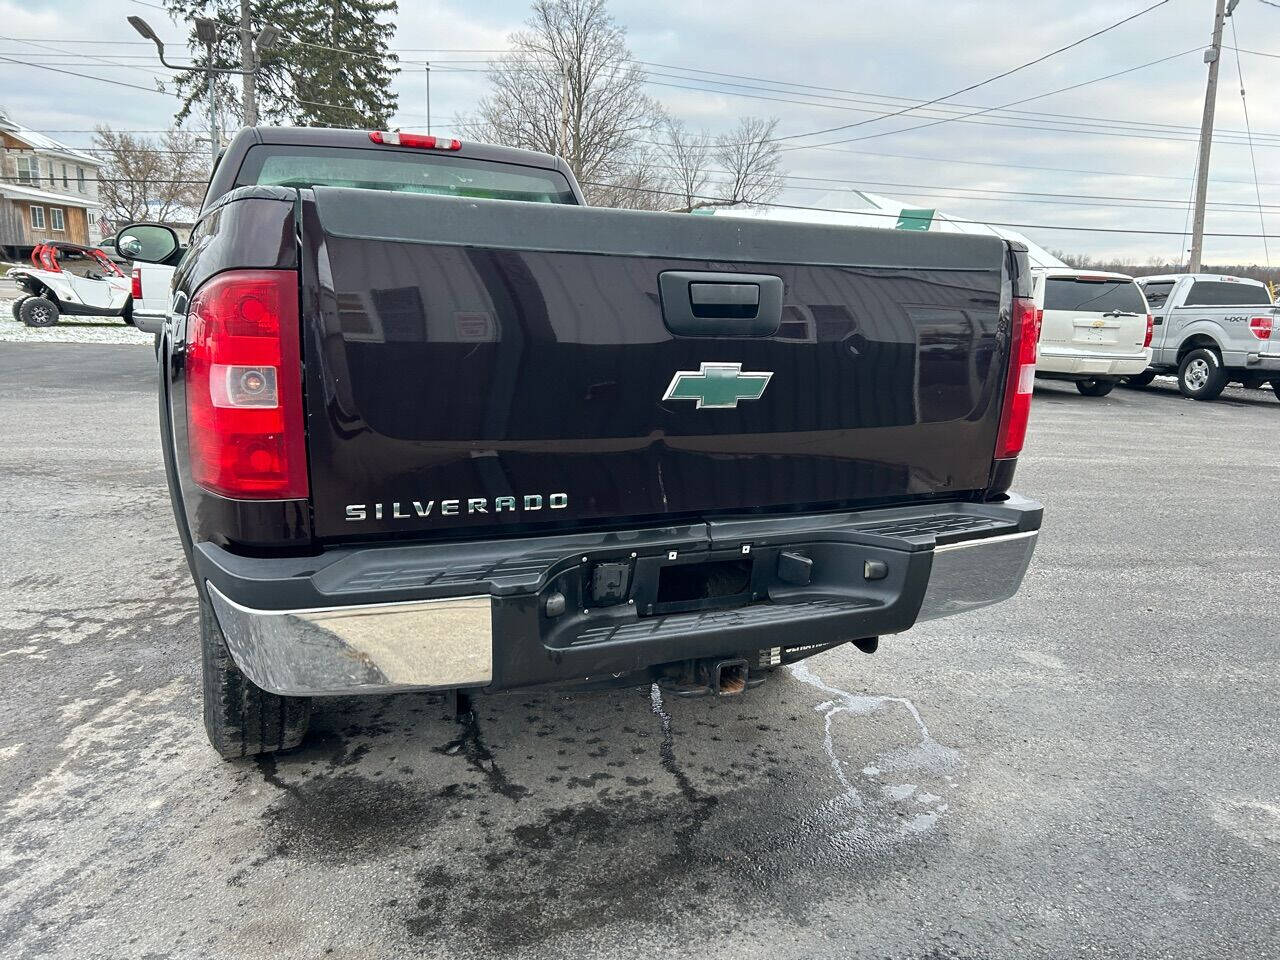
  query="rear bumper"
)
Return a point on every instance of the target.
[
  {"x": 476, "y": 615},
  {"x": 148, "y": 322},
  {"x": 1079, "y": 363},
  {"x": 1262, "y": 361}
]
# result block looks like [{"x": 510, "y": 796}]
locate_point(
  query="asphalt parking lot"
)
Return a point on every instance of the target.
[{"x": 1091, "y": 769}]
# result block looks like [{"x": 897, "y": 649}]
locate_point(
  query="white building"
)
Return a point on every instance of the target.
[
  {"x": 48, "y": 191},
  {"x": 887, "y": 214}
]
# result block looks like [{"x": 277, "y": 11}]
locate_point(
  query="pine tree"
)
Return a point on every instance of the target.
[
  {"x": 333, "y": 88},
  {"x": 330, "y": 67}
]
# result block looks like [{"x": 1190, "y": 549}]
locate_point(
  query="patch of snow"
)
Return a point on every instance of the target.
[{"x": 70, "y": 330}]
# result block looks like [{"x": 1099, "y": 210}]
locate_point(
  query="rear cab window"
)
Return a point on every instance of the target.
[
  {"x": 1224, "y": 293},
  {"x": 401, "y": 171},
  {"x": 1158, "y": 292},
  {"x": 1093, "y": 295}
]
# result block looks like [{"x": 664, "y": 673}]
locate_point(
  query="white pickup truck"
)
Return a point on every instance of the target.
[
  {"x": 150, "y": 287},
  {"x": 151, "y": 283},
  {"x": 1211, "y": 330}
]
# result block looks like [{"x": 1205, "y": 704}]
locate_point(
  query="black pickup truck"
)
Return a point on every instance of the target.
[{"x": 430, "y": 423}]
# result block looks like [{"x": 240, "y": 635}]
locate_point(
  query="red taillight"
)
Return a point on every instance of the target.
[
  {"x": 1020, "y": 380},
  {"x": 1260, "y": 327},
  {"x": 135, "y": 289},
  {"x": 244, "y": 387},
  {"x": 394, "y": 139},
  {"x": 1151, "y": 332}
]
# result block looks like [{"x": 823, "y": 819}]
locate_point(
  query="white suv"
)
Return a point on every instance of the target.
[{"x": 1096, "y": 328}]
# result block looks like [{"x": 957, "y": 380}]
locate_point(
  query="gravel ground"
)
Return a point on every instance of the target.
[
  {"x": 70, "y": 330},
  {"x": 1090, "y": 769}
]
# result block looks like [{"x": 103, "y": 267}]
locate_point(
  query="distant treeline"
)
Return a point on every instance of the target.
[{"x": 1083, "y": 261}]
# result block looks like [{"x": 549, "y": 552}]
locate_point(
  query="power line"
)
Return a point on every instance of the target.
[
  {"x": 1016, "y": 166},
  {"x": 86, "y": 76},
  {"x": 983, "y": 83},
  {"x": 1244, "y": 104},
  {"x": 990, "y": 223},
  {"x": 1001, "y": 164},
  {"x": 960, "y": 108},
  {"x": 1119, "y": 203},
  {"x": 94, "y": 57},
  {"x": 1085, "y": 126},
  {"x": 880, "y": 100},
  {"x": 1003, "y": 106},
  {"x": 882, "y": 97}
]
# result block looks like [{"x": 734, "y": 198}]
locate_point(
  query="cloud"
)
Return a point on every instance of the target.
[{"x": 1137, "y": 138}]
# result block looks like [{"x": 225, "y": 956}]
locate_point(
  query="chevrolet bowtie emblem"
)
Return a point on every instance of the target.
[{"x": 717, "y": 386}]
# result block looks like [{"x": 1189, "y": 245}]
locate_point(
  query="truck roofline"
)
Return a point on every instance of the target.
[
  {"x": 222, "y": 180},
  {"x": 332, "y": 137},
  {"x": 1202, "y": 276},
  {"x": 1054, "y": 272}
]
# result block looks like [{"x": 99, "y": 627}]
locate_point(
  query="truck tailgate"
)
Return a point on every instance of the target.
[{"x": 495, "y": 365}]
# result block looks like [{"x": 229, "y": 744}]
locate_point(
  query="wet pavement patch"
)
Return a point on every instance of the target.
[
  {"x": 349, "y": 818},
  {"x": 773, "y": 837}
]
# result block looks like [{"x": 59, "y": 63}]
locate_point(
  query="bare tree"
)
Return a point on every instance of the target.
[
  {"x": 689, "y": 156},
  {"x": 146, "y": 179},
  {"x": 642, "y": 184},
  {"x": 745, "y": 162},
  {"x": 749, "y": 155},
  {"x": 570, "y": 87}
]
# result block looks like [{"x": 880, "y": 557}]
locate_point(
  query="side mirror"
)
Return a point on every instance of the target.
[{"x": 148, "y": 242}]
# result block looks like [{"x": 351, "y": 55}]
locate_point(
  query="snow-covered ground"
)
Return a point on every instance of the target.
[{"x": 71, "y": 330}]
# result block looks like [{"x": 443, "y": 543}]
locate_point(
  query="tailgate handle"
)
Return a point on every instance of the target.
[{"x": 698, "y": 303}]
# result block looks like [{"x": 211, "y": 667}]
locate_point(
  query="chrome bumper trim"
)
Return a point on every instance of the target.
[
  {"x": 149, "y": 322},
  {"x": 372, "y": 648},
  {"x": 1262, "y": 361},
  {"x": 976, "y": 573}
]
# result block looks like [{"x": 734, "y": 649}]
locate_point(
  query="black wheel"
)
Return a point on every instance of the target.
[
  {"x": 1201, "y": 375},
  {"x": 16, "y": 306},
  {"x": 240, "y": 717},
  {"x": 1139, "y": 379},
  {"x": 38, "y": 312},
  {"x": 1095, "y": 388},
  {"x": 127, "y": 316}
]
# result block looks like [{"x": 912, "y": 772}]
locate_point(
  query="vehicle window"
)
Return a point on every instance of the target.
[
  {"x": 402, "y": 171},
  {"x": 1093, "y": 296},
  {"x": 1223, "y": 293},
  {"x": 1157, "y": 292}
]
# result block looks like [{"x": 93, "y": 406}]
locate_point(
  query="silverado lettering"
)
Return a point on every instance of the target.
[{"x": 408, "y": 510}]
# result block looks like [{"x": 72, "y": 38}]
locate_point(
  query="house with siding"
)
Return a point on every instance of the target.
[{"x": 48, "y": 191}]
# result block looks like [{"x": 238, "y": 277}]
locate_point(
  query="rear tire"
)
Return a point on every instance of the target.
[
  {"x": 1139, "y": 379},
  {"x": 1201, "y": 375},
  {"x": 1095, "y": 388},
  {"x": 240, "y": 717},
  {"x": 15, "y": 306},
  {"x": 38, "y": 312}
]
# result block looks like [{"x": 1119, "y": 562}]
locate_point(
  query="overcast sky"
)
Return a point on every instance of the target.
[{"x": 843, "y": 62}]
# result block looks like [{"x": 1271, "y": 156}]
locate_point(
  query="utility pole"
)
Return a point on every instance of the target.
[
  {"x": 247, "y": 64},
  {"x": 207, "y": 33},
  {"x": 1211, "y": 56},
  {"x": 215, "y": 136},
  {"x": 564, "y": 115},
  {"x": 428, "y": 98}
]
